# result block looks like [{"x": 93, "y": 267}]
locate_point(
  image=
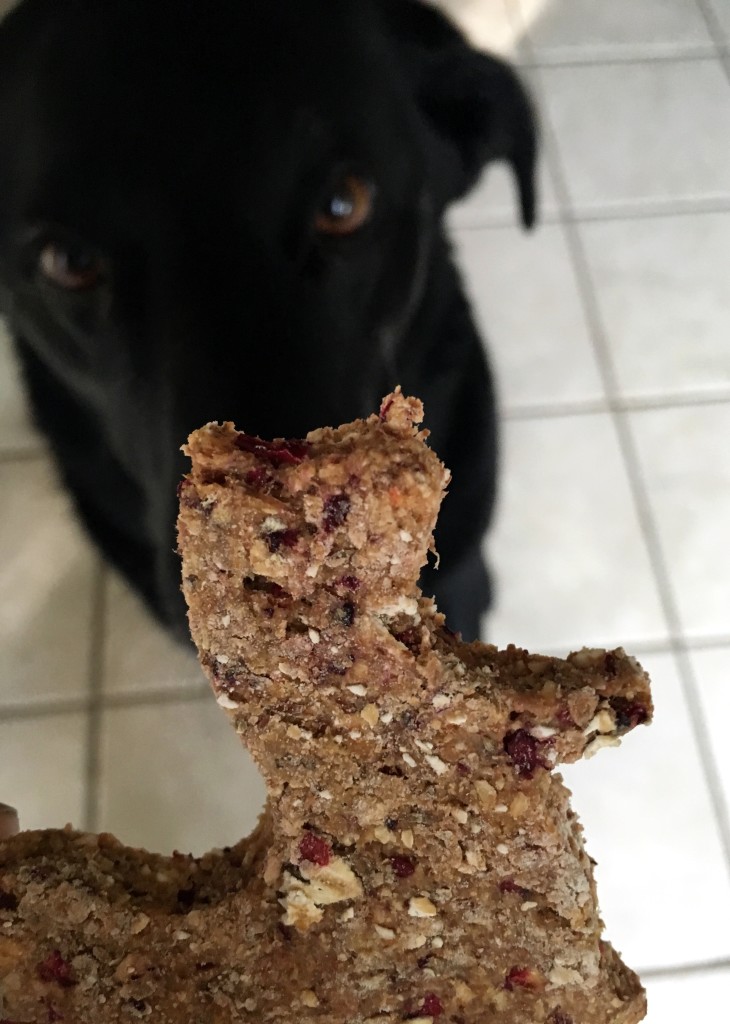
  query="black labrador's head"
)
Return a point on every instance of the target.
[{"x": 229, "y": 209}]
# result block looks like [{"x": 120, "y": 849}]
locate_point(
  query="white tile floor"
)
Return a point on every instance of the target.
[{"x": 610, "y": 330}]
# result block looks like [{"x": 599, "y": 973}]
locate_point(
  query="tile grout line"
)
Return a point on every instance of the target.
[
  {"x": 640, "y": 209},
  {"x": 684, "y": 970},
  {"x": 717, "y": 34},
  {"x": 632, "y": 466},
  {"x": 97, "y": 627},
  {"x": 543, "y": 61},
  {"x": 597, "y": 406}
]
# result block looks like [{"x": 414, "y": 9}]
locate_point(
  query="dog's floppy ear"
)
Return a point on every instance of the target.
[{"x": 474, "y": 102}]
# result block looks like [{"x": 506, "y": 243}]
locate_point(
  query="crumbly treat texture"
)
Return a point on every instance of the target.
[{"x": 418, "y": 859}]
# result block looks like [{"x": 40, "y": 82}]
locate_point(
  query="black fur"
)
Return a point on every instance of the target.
[{"x": 188, "y": 147}]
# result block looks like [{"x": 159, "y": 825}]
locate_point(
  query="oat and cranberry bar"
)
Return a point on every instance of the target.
[{"x": 418, "y": 858}]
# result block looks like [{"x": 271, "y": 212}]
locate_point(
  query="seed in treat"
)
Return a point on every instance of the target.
[
  {"x": 610, "y": 664},
  {"x": 345, "y": 614},
  {"x": 558, "y": 1017},
  {"x": 315, "y": 849},
  {"x": 628, "y": 713},
  {"x": 384, "y": 933},
  {"x": 407, "y": 838},
  {"x": 277, "y": 539},
  {"x": 336, "y": 509},
  {"x": 402, "y": 866},
  {"x": 55, "y": 968},
  {"x": 8, "y": 901},
  {"x": 509, "y": 885},
  {"x": 432, "y": 1006},
  {"x": 524, "y": 977},
  {"x": 290, "y": 452},
  {"x": 436, "y": 764}
]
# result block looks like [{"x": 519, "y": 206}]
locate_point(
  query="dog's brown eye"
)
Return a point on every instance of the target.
[
  {"x": 73, "y": 267},
  {"x": 347, "y": 208}
]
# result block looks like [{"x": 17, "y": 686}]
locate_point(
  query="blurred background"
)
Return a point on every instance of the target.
[{"x": 610, "y": 331}]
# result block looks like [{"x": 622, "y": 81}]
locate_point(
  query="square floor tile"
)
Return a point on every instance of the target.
[
  {"x": 47, "y": 570},
  {"x": 649, "y": 824},
  {"x": 17, "y": 433},
  {"x": 494, "y": 199},
  {"x": 530, "y": 314},
  {"x": 721, "y": 10},
  {"x": 684, "y": 460},
  {"x": 662, "y": 290},
  {"x": 42, "y": 769},
  {"x": 583, "y": 29},
  {"x": 176, "y": 776},
  {"x": 565, "y": 536},
  {"x": 641, "y": 135},
  {"x": 688, "y": 997},
  {"x": 712, "y": 673},
  {"x": 139, "y": 654}
]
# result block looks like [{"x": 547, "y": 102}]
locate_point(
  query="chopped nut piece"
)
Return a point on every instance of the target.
[
  {"x": 486, "y": 793},
  {"x": 308, "y": 998},
  {"x": 370, "y": 714},
  {"x": 421, "y": 906}
]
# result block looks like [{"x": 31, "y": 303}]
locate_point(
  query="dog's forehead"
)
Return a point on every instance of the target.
[
  {"x": 253, "y": 61},
  {"x": 190, "y": 91}
]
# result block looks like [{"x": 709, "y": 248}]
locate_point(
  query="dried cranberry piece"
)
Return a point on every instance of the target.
[
  {"x": 385, "y": 406},
  {"x": 629, "y": 713},
  {"x": 137, "y": 1004},
  {"x": 610, "y": 664},
  {"x": 431, "y": 1006},
  {"x": 564, "y": 717},
  {"x": 277, "y": 538},
  {"x": 509, "y": 885},
  {"x": 523, "y": 977},
  {"x": 524, "y": 752},
  {"x": 315, "y": 849},
  {"x": 55, "y": 968},
  {"x": 345, "y": 614},
  {"x": 336, "y": 509},
  {"x": 8, "y": 900},
  {"x": 402, "y": 866},
  {"x": 410, "y": 638},
  {"x": 186, "y": 897},
  {"x": 258, "y": 477},
  {"x": 463, "y": 769},
  {"x": 285, "y": 452},
  {"x": 348, "y": 582}
]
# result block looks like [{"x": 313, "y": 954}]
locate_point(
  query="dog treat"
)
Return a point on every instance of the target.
[{"x": 418, "y": 859}]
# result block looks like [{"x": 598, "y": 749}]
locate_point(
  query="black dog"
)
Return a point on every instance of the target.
[{"x": 233, "y": 210}]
